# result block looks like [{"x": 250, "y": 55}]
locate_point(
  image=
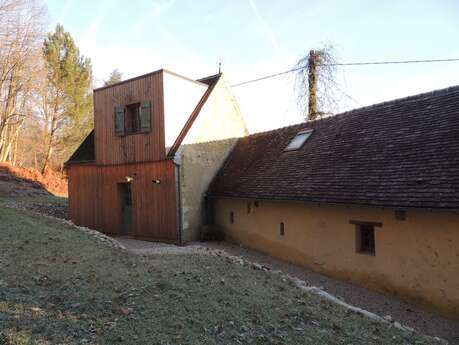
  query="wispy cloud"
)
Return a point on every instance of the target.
[
  {"x": 152, "y": 15},
  {"x": 266, "y": 29}
]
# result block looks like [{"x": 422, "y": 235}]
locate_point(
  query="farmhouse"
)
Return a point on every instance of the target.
[
  {"x": 158, "y": 141},
  {"x": 370, "y": 196}
]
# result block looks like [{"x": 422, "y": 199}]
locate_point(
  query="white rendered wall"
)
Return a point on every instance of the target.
[
  {"x": 180, "y": 98},
  {"x": 203, "y": 151}
]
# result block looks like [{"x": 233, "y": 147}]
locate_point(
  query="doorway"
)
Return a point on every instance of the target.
[{"x": 125, "y": 192}]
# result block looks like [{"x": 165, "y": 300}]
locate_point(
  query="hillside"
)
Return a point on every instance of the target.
[
  {"x": 61, "y": 286},
  {"x": 27, "y": 182}
]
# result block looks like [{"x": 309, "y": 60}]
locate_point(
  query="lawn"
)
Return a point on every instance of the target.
[{"x": 59, "y": 286}]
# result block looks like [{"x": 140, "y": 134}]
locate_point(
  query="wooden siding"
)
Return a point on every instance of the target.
[
  {"x": 139, "y": 147},
  {"x": 95, "y": 201}
]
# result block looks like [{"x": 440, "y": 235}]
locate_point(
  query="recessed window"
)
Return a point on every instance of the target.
[
  {"x": 299, "y": 140},
  {"x": 282, "y": 229},
  {"x": 231, "y": 217},
  {"x": 366, "y": 239},
  {"x": 249, "y": 207},
  {"x": 132, "y": 120},
  {"x": 365, "y": 236},
  {"x": 256, "y": 203}
]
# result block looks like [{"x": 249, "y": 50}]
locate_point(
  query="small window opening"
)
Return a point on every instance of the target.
[
  {"x": 249, "y": 207},
  {"x": 400, "y": 214},
  {"x": 298, "y": 141},
  {"x": 366, "y": 239},
  {"x": 232, "y": 217},
  {"x": 256, "y": 204},
  {"x": 282, "y": 229},
  {"x": 132, "y": 123}
]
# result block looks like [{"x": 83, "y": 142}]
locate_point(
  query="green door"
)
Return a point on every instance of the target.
[{"x": 126, "y": 209}]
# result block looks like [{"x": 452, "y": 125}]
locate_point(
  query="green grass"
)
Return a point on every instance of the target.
[{"x": 59, "y": 286}]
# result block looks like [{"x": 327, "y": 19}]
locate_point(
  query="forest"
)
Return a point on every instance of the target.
[{"x": 45, "y": 89}]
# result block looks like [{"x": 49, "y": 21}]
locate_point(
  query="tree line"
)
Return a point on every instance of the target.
[
  {"x": 45, "y": 89},
  {"x": 46, "y": 86}
]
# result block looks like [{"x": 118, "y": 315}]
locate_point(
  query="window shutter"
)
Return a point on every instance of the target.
[
  {"x": 119, "y": 121},
  {"x": 145, "y": 116}
]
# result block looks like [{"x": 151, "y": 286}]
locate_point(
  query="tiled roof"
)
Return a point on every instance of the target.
[
  {"x": 402, "y": 153},
  {"x": 85, "y": 152}
]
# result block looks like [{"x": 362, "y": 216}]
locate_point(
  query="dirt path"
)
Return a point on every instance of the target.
[{"x": 375, "y": 302}]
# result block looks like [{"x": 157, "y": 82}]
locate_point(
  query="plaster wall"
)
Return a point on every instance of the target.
[
  {"x": 416, "y": 259},
  {"x": 204, "y": 149}
]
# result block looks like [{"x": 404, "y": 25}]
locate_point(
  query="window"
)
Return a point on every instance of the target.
[
  {"x": 365, "y": 236},
  {"x": 282, "y": 229},
  {"x": 366, "y": 239},
  {"x": 232, "y": 217},
  {"x": 133, "y": 118},
  {"x": 249, "y": 207},
  {"x": 298, "y": 141}
]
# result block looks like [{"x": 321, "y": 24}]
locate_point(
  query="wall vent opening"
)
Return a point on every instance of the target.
[{"x": 400, "y": 214}]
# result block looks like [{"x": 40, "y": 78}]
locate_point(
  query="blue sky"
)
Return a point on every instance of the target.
[{"x": 257, "y": 37}]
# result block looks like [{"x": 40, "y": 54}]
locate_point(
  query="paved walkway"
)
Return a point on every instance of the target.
[{"x": 375, "y": 302}]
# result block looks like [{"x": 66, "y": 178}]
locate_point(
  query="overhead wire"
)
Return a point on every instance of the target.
[{"x": 345, "y": 64}]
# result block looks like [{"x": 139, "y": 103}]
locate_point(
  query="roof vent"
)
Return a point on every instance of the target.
[{"x": 298, "y": 141}]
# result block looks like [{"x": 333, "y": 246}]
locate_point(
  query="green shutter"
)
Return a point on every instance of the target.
[
  {"x": 119, "y": 121},
  {"x": 145, "y": 116}
]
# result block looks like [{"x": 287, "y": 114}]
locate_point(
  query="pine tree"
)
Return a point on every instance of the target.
[
  {"x": 66, "y": 95},
  {"x": 114, "y": 77}
]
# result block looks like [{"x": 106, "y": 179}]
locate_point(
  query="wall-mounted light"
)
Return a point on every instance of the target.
[
  {"x": 129, "y": 178},
  {"x": 156, "y": 181}
]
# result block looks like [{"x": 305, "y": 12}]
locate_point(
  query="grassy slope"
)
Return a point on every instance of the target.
[{"x": 57, "y": 286}]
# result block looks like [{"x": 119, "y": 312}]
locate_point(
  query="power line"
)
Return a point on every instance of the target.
[
  {"x": 348, "y": 96},
  {"x": 345, "y": 64},
  {"x": 392, "y": 62},
  {"x": 268, "y": 76}
]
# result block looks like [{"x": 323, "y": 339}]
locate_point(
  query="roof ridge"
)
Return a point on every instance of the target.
[
  {"x": 437, "y": 92},
  {"x": 275, "y": 129}
]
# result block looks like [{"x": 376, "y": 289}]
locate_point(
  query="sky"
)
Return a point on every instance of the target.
[{"x": 253, "y": 38}]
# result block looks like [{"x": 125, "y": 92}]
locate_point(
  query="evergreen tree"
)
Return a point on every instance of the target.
[
  {"x": 115, "y": 77},
  {"x": 66, "y": 95}
]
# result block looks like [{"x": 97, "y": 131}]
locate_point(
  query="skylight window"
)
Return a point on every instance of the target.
[{"x": 298, "y": 140}]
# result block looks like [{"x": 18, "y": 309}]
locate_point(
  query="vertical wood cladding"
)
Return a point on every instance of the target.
[
  {"x": 139, "y": 147},
  {"x": 95, "y": 200}
]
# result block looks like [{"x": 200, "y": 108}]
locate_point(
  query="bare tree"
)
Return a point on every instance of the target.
[
  {"x": 315, "y": 83},
  {"x": 21, "y": 34},
  {"x": 114, "y": 77}
]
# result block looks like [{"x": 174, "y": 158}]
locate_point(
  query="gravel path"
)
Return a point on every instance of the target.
[{"x": 375, "y": 302}]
